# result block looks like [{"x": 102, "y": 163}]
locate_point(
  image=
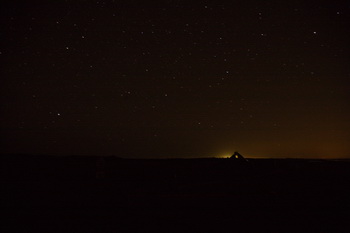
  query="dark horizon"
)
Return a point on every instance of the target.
[
  {"x": 164, "y": 157},
  {"x": 176, "y": 79}
]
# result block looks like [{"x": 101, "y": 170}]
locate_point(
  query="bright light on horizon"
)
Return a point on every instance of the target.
[{"x": 223, "y": 156}]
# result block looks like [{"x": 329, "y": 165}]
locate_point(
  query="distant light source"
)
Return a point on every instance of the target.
[
  {"x": 224, "y": 156},
  {"x": 236, "y": 156}
]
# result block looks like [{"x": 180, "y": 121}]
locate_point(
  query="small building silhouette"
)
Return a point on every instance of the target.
[{"x": 238, "y": 156}]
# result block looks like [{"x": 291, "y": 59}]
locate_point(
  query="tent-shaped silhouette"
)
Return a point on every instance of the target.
[{"x": 238, "y": 156}]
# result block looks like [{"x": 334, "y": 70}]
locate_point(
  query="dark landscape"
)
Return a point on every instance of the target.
[
  {"x": 111, "y": 110},
  {"x": 110, "y": 194}
]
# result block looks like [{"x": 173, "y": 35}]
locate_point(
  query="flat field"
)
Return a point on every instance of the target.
[{"x": 108, "y": 194}]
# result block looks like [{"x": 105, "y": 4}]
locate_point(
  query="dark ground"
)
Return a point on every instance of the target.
[{"x": 94, "y": 194}]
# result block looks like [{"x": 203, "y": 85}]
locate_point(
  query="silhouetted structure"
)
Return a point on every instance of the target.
[{"x": 238, "y": 156}]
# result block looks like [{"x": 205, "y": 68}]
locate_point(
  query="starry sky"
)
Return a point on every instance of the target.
[{"x": 140, "y": 79}]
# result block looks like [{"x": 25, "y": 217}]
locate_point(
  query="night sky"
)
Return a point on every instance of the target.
[{"x": 139, "y": 79}]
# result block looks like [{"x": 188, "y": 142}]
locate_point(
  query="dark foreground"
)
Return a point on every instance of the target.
[{"x": 89, "y": 194}]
